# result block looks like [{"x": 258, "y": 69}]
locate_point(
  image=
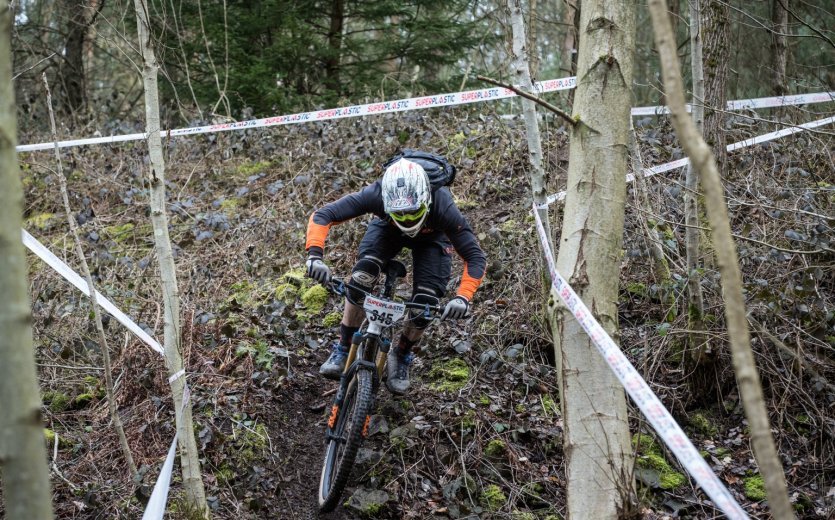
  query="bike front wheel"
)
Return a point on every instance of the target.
[{"x": 350, "y": 429}]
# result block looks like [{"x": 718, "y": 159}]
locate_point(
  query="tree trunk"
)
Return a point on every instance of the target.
[
  {"x": 571, "y": 20},
  {"x": 779, "y": 45},
  {"x": 698, "y": 338},
  {"x": 81, "y": 16},
  {"x": 597, "y": 448},
  {"x": 23, "y": 467},
  {"x": 522, "y": 75},
  {"x": 748, "y": 378},
  {"x": 716, "y": 45},
  {"x": 675, "y": 11},
  {"x": 189, "y": 460},
  {"x": 333, "y": 61}
]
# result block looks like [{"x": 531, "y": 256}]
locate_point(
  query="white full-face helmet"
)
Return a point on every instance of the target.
[{"x": 406, "y": 196}]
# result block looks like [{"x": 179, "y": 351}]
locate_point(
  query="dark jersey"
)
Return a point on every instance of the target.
[{"x": 444, "y": 218}]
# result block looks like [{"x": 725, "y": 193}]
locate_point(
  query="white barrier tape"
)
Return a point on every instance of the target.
[
  {"x": 780, "y": 133},
  {"x": 416, "y": 103},
  {"x": 680, "y": 163},
  {"x": 159, "y": 496},
  {"x": 74, "y": 278},
  {"x": 739, "y": 104},
  {"x": 640, "y": 392},
  {"x": 782, "y": 101},
  {"x": 384, "y": 107},
  {"x": 177, "y": 376}
]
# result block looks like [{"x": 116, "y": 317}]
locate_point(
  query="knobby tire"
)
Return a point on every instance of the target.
[{"x": 338, "y": 464}]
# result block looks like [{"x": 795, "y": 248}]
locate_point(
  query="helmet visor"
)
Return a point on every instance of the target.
[{"x": 411, "y": 216}]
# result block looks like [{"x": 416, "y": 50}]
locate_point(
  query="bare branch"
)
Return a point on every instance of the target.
[{"x": 541, "y": 102}]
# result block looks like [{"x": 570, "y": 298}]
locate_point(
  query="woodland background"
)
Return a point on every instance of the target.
[{"x": 482, "y": 433}]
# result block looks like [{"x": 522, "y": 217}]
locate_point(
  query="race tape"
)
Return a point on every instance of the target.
[
  {"x": 740, "y": 104},
  {"x": 159, "y": 497},
  {"x": 668, "y": 429},
  {"x": 155, "y": 510},
  {"x": 416, "y": 103},
  {"x": 74, "y": 278},
  {"x": 384, "y": 107},
  {"x": 680, "y": 163}
]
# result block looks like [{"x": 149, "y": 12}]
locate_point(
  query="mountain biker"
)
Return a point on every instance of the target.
[{"x": 408, "y": 213}]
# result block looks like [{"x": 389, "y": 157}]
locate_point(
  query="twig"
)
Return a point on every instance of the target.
[
  {"x": 526, "y": 95},
  {"x": 55, "y": 463},
  {"x": 108, "y": 374},
  {"x": 32, "y": 67},
  {"x": 782, "y": 347}
]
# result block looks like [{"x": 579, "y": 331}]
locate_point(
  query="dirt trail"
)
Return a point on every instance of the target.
[{"x": 295, "y": 421}]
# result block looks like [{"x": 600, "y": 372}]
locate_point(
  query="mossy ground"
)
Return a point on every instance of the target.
[
  {"x": 650, "y": 457},
  {"x": 493, "y": 498},
  {"x": 754, "y": 487},
  {"x": 496, "y": 448},
  {"x": 449, "y": 376}
]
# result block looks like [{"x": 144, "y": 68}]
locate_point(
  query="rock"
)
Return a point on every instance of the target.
[
  {"x": 366, "y": 458},
  {"x": 367, "y": 502},
  {"x": 488, "y": 356},
  {"x": 461, "y": 346},
  {"x": 378, "y": 424},
  {"x": 404, "y": 436},
  {"x": 513, "y": 351}
]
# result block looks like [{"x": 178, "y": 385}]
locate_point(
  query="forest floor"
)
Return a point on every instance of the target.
[{"x": 480, "y": 435}]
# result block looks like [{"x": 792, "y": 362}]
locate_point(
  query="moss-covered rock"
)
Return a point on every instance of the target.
[
  {"x": 252, "y": 168},
  {"x": 703, "y": 423},
  {"x": 495, "y": 448},
  {"x": 286, "y": 292},
  {"x": 368, "y": 503},
  {"x": 119, "y": 232},
  {"x": 667, "y": 477},
  {"x": 57, "y": 401},
  {"x": 650, "y": 458},
  {"x": 332, "y": 319},
  {"x": 644, "y": 443},
  {"x": 315, "y": 298},
  {"x": 41, "y": 221},
  {"x": 449, "y": 376},
  {"x": 754, "y": 487},
  {"x": 225, "y": 474},
  {"x": 492, "y": 498},
  {"x": 49, "y": 436},
  {"x": 230, "y": 206},
  {"x": 82, "y": 400}
]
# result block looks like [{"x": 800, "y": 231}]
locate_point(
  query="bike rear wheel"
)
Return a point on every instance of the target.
[{"x": 348, "y": 432}]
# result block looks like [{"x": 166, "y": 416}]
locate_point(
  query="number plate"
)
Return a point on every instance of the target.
[{"x": 383, "y": 312}]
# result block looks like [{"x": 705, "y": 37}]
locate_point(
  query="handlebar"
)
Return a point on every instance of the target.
[{"x": 339, "y": 286}]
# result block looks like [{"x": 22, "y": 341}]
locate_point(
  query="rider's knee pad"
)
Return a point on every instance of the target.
[
  {"x": 419, "y": 320},
  {"x": 364, "y": 275}
]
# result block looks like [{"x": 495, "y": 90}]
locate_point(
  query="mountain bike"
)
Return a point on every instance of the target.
[{"x": 350, "y": 414}]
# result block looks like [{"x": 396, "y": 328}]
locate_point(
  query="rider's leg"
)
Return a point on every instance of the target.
[
  {"x": 431, "y": 267},
  {"x": 376, "y": 248}
]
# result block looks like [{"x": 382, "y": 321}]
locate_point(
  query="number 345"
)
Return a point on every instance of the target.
[{"x": 385, "y": 317}]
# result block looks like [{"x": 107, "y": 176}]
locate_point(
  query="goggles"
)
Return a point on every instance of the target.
[{"x": 411, "y": 216}]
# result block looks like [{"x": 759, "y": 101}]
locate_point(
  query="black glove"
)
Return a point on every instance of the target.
[
  {"x": 317, "y": 269},
  {"x": 456, "y": 308}
]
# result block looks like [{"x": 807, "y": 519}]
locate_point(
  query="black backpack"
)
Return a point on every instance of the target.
[{"x": 438, "y": 169}]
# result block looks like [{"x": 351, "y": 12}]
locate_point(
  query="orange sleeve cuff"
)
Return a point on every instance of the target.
[
  {"x": 468, "y": 284},
  {"x": 316, "y": 234}
]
